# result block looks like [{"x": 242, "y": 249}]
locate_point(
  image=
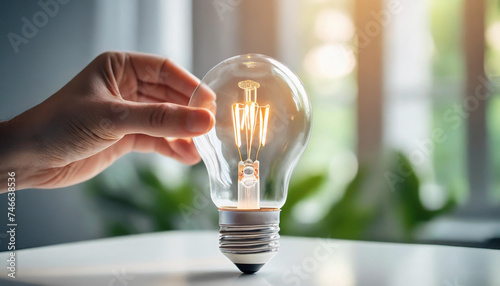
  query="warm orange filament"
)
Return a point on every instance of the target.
[{"x": 247, "y": 116}]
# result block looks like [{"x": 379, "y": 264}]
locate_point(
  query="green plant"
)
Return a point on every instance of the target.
[{"x": 370, "y": 208}]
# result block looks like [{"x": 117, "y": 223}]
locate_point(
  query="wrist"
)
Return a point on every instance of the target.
[{"x": 17, "y": 154}]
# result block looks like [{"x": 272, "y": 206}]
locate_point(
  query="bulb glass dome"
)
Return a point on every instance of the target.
[{"x": 263, "y": 124}]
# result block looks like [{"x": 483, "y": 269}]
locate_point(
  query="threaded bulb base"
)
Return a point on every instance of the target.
[{"x": 249, "y": 238}]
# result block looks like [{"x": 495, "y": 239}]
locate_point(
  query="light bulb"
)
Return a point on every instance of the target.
[{"x": 263, "y": 123}]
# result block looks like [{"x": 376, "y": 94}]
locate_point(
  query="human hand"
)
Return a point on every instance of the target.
[{"x": 121, "y": 102}]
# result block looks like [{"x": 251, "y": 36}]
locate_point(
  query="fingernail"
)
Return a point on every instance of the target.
[{"x": 198, "y": 121}]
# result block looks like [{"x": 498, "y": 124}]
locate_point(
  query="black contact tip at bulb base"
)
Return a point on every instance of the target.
[
  {"x": 249, "y": 238},
  {"x": 249, "y": 268}
]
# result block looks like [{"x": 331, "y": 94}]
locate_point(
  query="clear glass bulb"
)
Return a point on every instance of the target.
[
  {"x": 263, "y": 123},
  {"x": 263, "y": 118}
]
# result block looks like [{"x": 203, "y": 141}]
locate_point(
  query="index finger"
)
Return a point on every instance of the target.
[{"x": 154, "y": 69}]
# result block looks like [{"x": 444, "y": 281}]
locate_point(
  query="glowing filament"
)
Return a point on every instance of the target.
[{"x": 247, "y": 116}]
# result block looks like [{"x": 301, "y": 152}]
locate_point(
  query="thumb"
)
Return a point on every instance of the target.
[{"x": 167, "y": 120}]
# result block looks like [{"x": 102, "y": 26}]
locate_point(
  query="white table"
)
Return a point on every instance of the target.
[{"x": 193, "y": 258}]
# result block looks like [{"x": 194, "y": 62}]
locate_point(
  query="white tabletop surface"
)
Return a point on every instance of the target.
[{"x": 193, "y": 258}]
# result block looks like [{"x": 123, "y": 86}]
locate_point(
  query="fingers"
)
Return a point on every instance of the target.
[
  {"x": 183, "y": 150},
  {"x": 160, "y": 93},
  {"x": 160, "y": 79},
  {"x": 166, "y": 120},
  {"x": 153, "y": 70},
  {"x": 204, "y": 97}
]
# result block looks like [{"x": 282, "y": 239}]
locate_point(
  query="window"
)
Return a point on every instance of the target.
[{"x": 492, "y": 63}]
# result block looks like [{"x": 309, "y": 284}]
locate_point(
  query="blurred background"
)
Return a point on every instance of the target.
[{"x": 406, "y": 98}]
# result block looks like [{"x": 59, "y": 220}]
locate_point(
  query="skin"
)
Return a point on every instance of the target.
[{"x": 120, "y": 103}]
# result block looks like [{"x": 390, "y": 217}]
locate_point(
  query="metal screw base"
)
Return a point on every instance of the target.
[{"x": 249, "y": 238}]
